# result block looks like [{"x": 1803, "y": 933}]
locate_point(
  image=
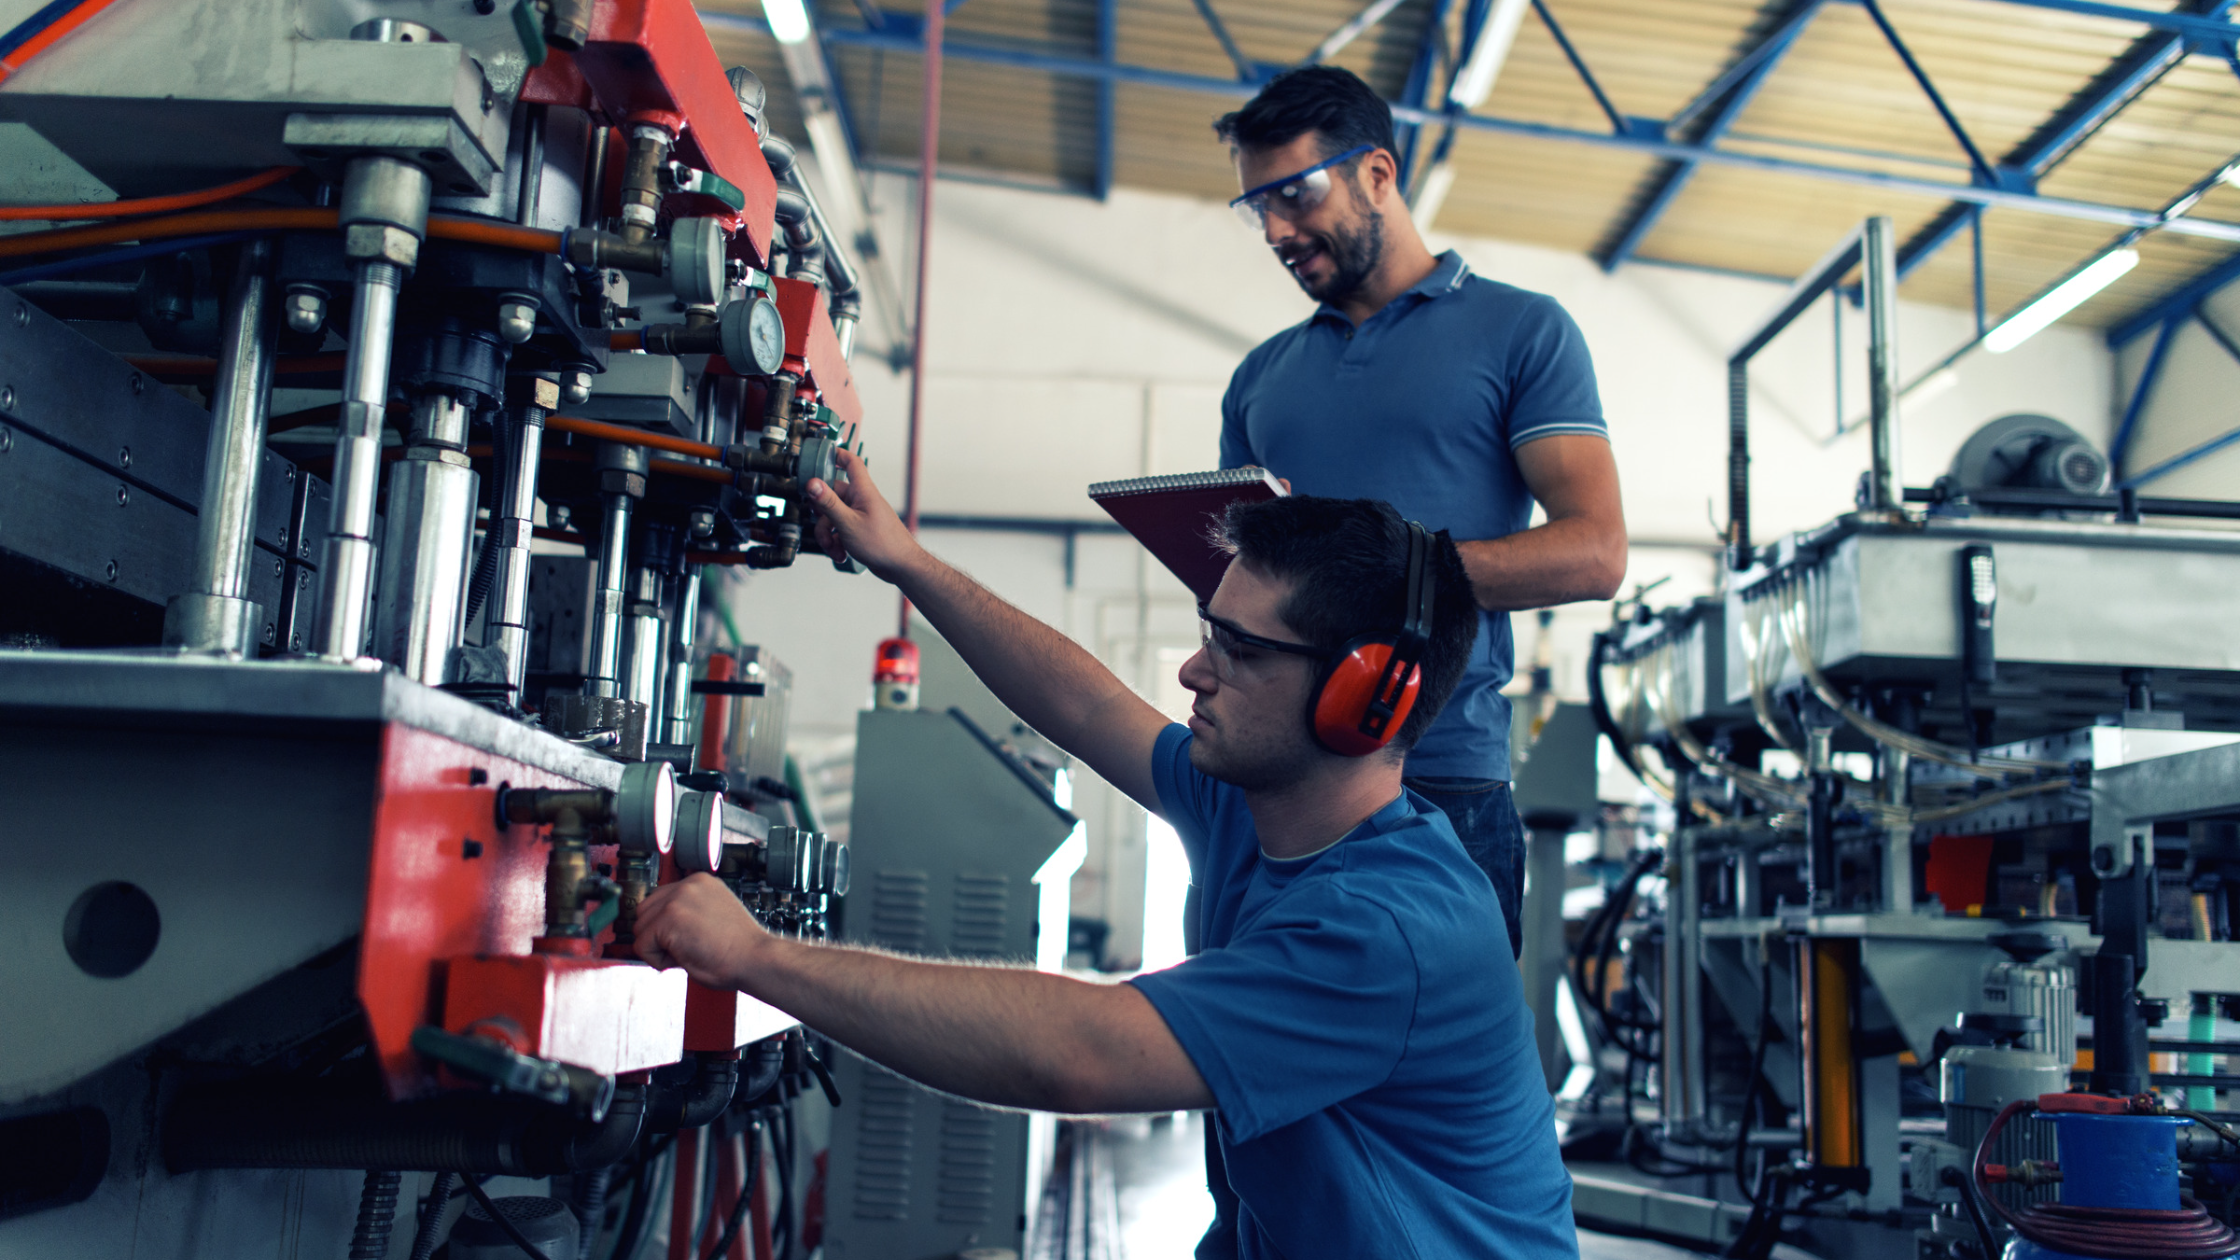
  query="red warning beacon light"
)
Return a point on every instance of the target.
[{"x": 894, "y": 677}]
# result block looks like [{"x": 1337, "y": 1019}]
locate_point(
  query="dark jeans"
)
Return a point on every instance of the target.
[{"x": 1485, "y": 820}]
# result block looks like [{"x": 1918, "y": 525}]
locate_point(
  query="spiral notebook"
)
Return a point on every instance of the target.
[{"x": 1174, "y": 516}]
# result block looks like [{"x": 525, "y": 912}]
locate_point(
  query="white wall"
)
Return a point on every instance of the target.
[{"x": 1071, "y": 341}]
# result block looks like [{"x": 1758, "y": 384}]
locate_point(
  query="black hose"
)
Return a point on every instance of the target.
[
  {"x": 377, "y": 1215},
  {"x": 505, "y": 1223},
  {"x": 1598, "y": 701},
  {"x": 645, "y": 1190},
  {"x": 671, "y": 1107},
  {"x": 766, "y": 1063},
  {"x": 590, "y": 1207},
  {"x": 426, "y": 1237},
  {"x": 1959, "y": 1180},
  {"x": 746, "y": 1192}
]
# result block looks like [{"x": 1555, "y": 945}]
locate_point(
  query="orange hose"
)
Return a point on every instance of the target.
[
  {"x": 698, "y": 472},
  {"x": 635, "y": 437},
  {"x": 446, "y": 227},
  {"x": 626, "y": 341},
  {"x": 149, "y": 205},
  {"x": 441, "y": 227},
  {"x": 169, "y": 225},
  {"x": 47, "y": 38}
]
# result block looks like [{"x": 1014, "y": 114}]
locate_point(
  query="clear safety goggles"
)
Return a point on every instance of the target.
[
  {"x": 1225, "y": 642},
  {"x": 1293, "y": 195}
]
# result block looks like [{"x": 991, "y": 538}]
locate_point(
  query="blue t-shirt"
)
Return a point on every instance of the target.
[
  {"x": 1423, "y": 406},
  {"x": 1362, "y": 1026}
]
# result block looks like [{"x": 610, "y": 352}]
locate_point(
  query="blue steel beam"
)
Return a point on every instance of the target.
[
  {"x": 1108, "y": 50},
  {"x": 901, "y": 35},
  {"x": 2138, "y": 68},
  {"x": 2140, "y": 392},
  {"x": 2175, "y": 305},
  {"x": 2182, "y": 458},
  {"x": 1246, "y": 71},
  {"x": 1670, "y": 182},
  {"x": 2217, "y": 333},
  {"x": 2215, "y": 30},
  {"x": 1618, "y": 123},
  {"x": 1951, "y": 120},
  {"x": 1416, "y": 93}
]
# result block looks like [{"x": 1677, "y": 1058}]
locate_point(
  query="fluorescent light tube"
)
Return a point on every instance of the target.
[
  {"x": 789, "y": 19},
  {"x": 1475, "y": 83},
  {"x": 2062, "y": 299}
]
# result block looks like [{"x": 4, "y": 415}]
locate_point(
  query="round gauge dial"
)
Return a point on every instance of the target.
[{"x": 754, "y": 335}]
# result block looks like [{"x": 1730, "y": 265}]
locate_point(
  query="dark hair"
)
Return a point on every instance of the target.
[
  {"x": 1347, "y": 562},
  {"x": 1325, "y": 99}
]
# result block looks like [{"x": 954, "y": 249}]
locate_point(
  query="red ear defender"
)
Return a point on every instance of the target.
[
  {"x": 1370, "y": 687},
  {"x": 1365, "y": 700}
]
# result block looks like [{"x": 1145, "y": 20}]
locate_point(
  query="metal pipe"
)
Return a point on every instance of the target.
[
  {"x": 603, "y": 675},
  {"x": 346, "y": 570},
  {"x": 512, "y": 526},
  {"x": 215, "y": 613},
  {"x": 929, "y": 162},
  {"x": 1878, "y": 265},
  {"x": 420, "y": 608},
  {"x": 805, "y": 244},
  {"x": 1683, "y": 1075},
  {"x": 839, "y": 269},
  {"x": 649, "y": 641},
  {"x": 677, "y": 694}
]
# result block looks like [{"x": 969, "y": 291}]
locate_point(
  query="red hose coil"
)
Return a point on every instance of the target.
[{"x": 2189, "y": 1233}]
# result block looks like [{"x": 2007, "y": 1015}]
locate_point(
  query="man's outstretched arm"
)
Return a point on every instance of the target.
[
  {"x": 1046, "y": 678},
  {"x": 1010, "y": 1037}
]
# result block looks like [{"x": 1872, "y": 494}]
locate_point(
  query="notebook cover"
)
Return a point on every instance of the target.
[{"x": 1174, "y": 517}]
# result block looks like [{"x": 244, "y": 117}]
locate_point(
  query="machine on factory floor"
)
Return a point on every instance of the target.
[
  {"x": 915, "y": 1173},
  {"x": 332, "y": 783},
  {"x": 1954, "y": 792}
]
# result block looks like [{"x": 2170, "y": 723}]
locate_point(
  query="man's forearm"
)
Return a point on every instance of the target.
[
  {"x": 1014, "y": 1038},
  {"x": 1046, "y": 678},
  {"x": 1557, "y": 563}
]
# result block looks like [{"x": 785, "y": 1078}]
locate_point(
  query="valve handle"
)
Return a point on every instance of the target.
[{"x": 508, "y": 1071}]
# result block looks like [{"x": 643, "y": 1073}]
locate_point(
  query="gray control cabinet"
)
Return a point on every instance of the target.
[{"x": 947, "y": 834}]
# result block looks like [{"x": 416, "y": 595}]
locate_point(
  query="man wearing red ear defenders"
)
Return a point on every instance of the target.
[{"x": 1375, "y": 1083}]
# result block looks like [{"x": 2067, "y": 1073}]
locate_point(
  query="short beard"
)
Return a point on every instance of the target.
[
  {"x": 1354, "y": 256},
  {"x": 1257, "y": 769}
]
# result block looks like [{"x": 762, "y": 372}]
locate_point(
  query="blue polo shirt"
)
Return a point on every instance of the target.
[
  {"x": 1424, "y": 406},
  {"x": 1365, "y": 1036}
]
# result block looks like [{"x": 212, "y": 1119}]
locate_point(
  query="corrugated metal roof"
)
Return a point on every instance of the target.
[{"x": 1840, "y": 97}]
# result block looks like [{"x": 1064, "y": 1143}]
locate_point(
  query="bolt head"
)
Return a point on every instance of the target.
[
  {"x": 703, "y": 522},
  {"x": 517, "y": 322},
  {"x": 307, "y": 311},
  {"x": 575, "y": 388}
]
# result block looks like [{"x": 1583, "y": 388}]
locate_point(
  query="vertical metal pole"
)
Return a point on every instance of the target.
[
  {"x": 346, "y": 574},
  {"x": 1835, "y": 321},
  {"x": 513, "y": 526},
  {"x": 384, "y": 213},
  {"x": 678, "y": 692},
  {"x": 1683, "y": 1077},
  {"x": 1975, "y": 237},
  {"x": 1542, "y": 934},
  {"x": 929, "y": 160},
  {"x": 649, "y": 644},
  {"x": 1738, "y": 465},
  {"x": 215, "y": 614},
  {"x": 604, "y": 676},
  {"x": 1878, "y": 264},
  {"x": 420, "y": 601}
]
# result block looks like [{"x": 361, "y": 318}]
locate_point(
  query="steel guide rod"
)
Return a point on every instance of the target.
[
  {"x": 512, "y": 528},
  {"x": 215, "y": 614}
]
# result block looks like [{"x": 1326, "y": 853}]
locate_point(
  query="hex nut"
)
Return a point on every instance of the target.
[
  {"x": 363, "y": 241},
  {"x": 307, "y": 310},
  {"x": 617, "y": 481}
]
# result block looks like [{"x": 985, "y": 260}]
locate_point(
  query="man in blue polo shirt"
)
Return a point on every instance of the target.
[
  {"x": 1374, "y": 1082},
  {"x": 1458, "y": 400}
]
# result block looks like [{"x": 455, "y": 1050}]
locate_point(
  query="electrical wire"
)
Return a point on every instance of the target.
[
  {"x": 746, "y": 1192},
  {"x": 148, "y": 205},
  {"x": 43, "y": 30}
]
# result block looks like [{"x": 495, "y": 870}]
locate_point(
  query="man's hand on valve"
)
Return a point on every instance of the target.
[
  {"x": 857, "y": 517},
  {"x": 700, "y": 925}
]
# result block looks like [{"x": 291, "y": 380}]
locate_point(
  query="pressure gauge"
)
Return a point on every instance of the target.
[
  {"x": 699, "y": 835},
  {"x": 754, "y": 335},
  {"x": 645, "y": 806}
]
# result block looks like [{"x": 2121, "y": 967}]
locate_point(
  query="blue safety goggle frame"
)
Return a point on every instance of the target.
[{"x": 1294, "y": 194}]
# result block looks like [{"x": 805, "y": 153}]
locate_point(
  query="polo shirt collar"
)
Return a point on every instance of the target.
[{"x": 1444, "y": 279}]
